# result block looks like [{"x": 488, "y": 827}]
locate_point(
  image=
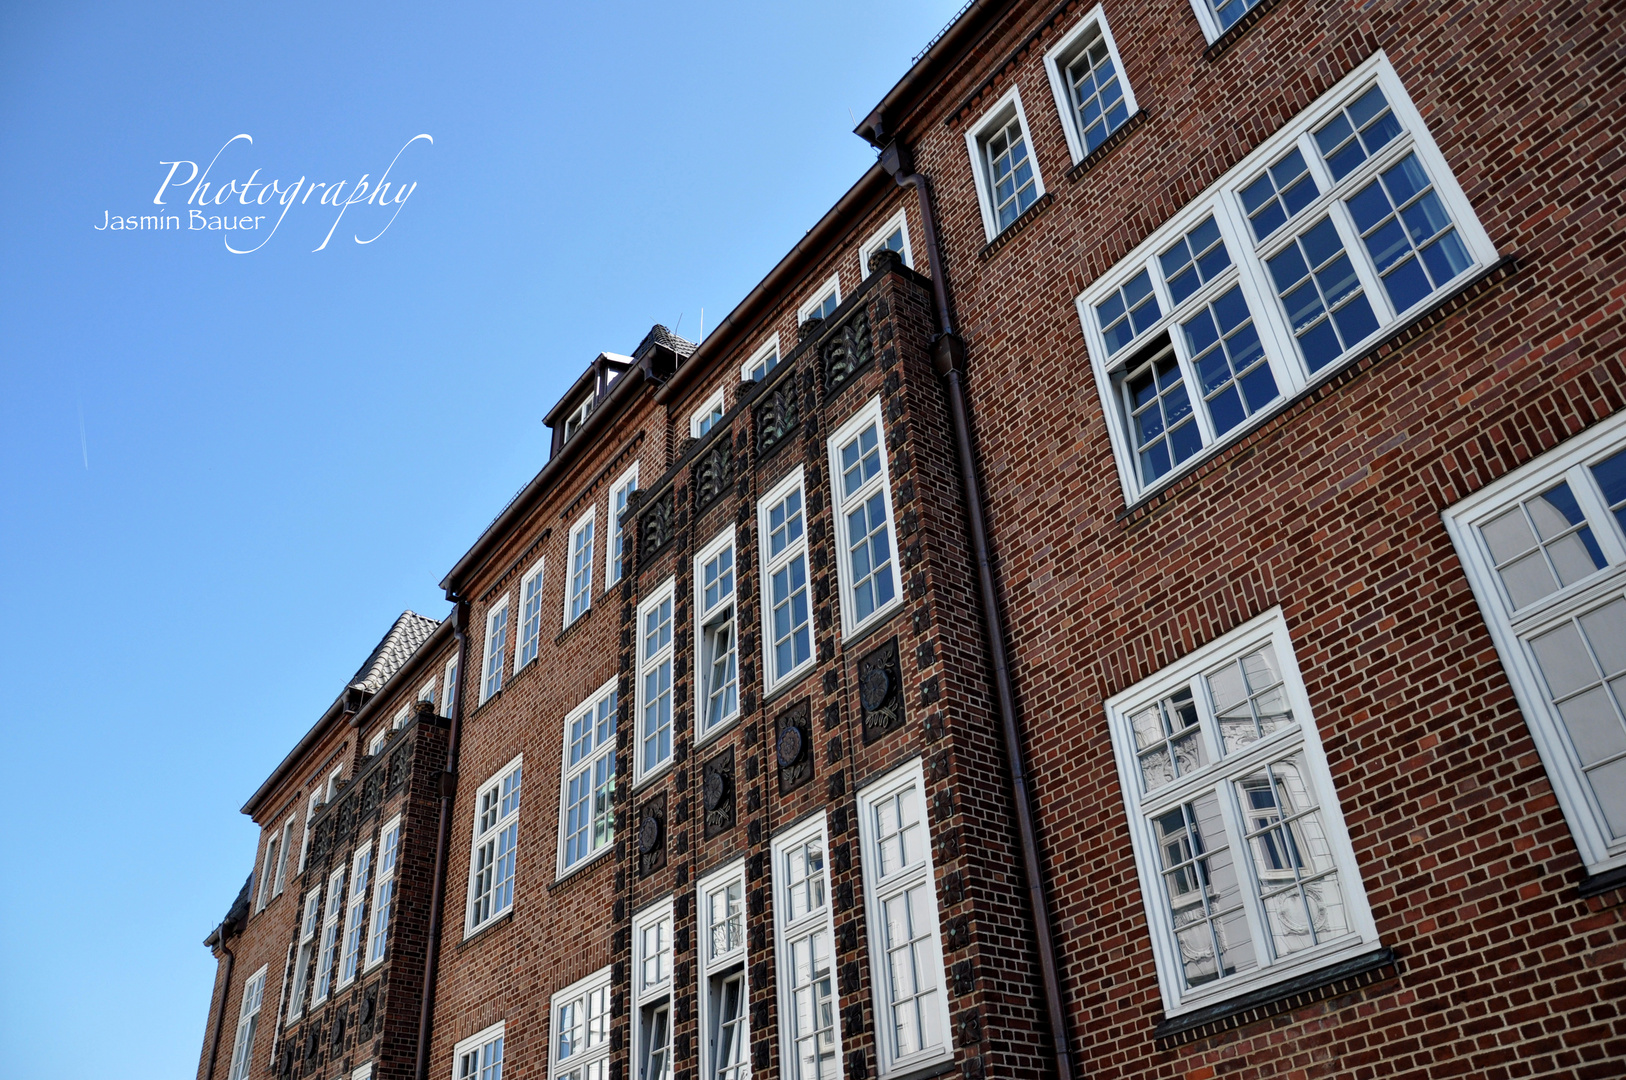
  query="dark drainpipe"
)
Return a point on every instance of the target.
[
  {"x": 448, "y": 789},
  {"x": 225, "y": 989},
  {"x": 948, "y": 357}
]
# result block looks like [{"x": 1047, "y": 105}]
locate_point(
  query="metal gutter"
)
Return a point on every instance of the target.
[{"x": 881, "y": 126}]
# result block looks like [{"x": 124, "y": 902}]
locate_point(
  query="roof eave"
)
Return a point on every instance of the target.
[{"x": 880, "y": 126}]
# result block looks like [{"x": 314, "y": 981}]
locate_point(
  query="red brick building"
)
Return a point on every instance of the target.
[{"x": 1137, "y": 591}]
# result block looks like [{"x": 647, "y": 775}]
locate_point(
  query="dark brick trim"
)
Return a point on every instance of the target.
[
  {"x": 1093, "y": 158},
  {"x": 484, "y": 933},
  {"x": 1010, "y": 61},
  {"x": 1240, "y": 27},
  {"x": 1452, "y": 302},
  {"x": 1018, "y": 225},
  {"x": 1328, "y": 982},
  {"x": 1597, "y": 884}
]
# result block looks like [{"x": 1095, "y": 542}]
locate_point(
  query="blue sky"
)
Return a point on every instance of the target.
[{"x": 222, "y": 476}]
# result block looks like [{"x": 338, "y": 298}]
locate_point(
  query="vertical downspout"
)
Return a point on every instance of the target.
[
  {"x": 948, "y": 358},
  {"x": 437, "y": 897},
  {"x": 225, "y": 989}
]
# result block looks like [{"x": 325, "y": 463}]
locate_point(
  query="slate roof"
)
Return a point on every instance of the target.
[
  {"x": 660, "y": 335},
  {"x": 410, "y": 631}
]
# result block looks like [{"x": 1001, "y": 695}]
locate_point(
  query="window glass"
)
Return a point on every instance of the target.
[{"x": 1013, "y": 181}]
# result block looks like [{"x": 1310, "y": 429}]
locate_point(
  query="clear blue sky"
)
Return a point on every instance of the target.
[{"x": 222, "y": 476}]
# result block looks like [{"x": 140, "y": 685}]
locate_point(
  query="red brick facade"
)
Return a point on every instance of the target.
[{"x": 1496, "y": 951}]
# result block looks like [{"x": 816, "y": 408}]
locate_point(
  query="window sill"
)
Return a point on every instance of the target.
[
  {"x": 580, "y": 868},
  {"x": 472, "y": 936},
  {"x": 1328, "y": 982},
  {"x": 873, "y": 627},
  {"x": 1021, "y": 222},
  {"x": 655, "y": 774},
  {"x": 1237, "y": 29},
  {"x": 720, "y": 730},
  {"x": 786, "y": 688},
  {"x": 920, "y": 1072},
  {"x": 1597, "y": 884},
  {"x": 577, "y": 621},
  {"x": 1094, "y": 157}
]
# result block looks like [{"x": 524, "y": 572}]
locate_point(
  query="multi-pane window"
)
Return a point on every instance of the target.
[
  {"x": 426, "y": 692},
  {"x": 389, "y": 855},
  {"x": 356, "y": 915},
  {"x": 281, "y": 876},
  {"x": 587, "y": 812},
  {"x": 310, "y": 917},
  {"x": 809, "y": 1025},
  {"x": 615, "y": 551},
  {"x": 248, "y": 1018},
  {"x": 530, "y": 616},
  {"x": 448, "y": 687},
  {"x": 717, "y": 634},
  {"x": 268, "y": 868},
  {"x": 893, "y": 236},
  {"x": 381, "y": 737},
  {"x": 579, "y": 589},
  {"x": 764, "y": 360},
  {"x": 1246, "y": 868},
  {"x": 496, "y": 649},
  {"x": 707, "y": 416},
  {"x": 580, "y": 1049},
  {"x": 654, "y": 747},
  {"x": 724, "y": 1029},
  {"x": 1301, "y": 256},
  {"x": 652, "y": 991},
  {"x": 824, "y": 303},
  {"x": 900, "y": 901},
  {"x": 1091, "y": 91},
  {"x": 1545, "y": 552},
  {"x": 479, "y": 1057},
  {"x": 863, "y": 503},
  {"x": 327, "y": 956},
  {"x": 787, "y": 626},
  {"x": 496, "y": 840},
  {"x": 1010, "y": 178}
]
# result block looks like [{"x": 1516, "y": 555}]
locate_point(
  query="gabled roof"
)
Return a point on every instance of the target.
[{"x": 660, "y": 335}]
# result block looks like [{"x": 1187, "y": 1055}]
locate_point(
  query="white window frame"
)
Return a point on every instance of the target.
[
  {"x": 529, "y": 623},
  {"x": 976, "y": 138},
  {"x": 1247, "y": 268},
  {"x": 831, "y": 286},
  {"x": 426, "y": 692},
  {"x": 600, "y": 755},
  {"x": 381, "y": 737},
  {"x": 448, "y": 686},
  {"x": 353, "y": 953},
  {"x": 589, "y": 1003},
  {"x": 248, "y": 1020},
  {"x": 650, "y": 663},
  {"x": 895, "y": 223},
  {"x": 282, "y": 857},
  {"x": 312, "y": 804},
  {"x": 330, "y": 942},
  {"x": 1513, "y": 628},
  {"x": 307, "y": 929},
  {"x": 1220, "y": 774},
  {"x": 711, "y": 409},
  {"x": 268, "y": 871},
  {"x": 843, "y": 503},
  {"x": 383, "y": 903},
  {"x": 364, "y": 1072},
  {"x": 760, "y": 356},
  {"x": 705, "y": 618},
  {"x": 478, "y": 1045},
  {"x": 1095, "y": 20},
  {"x": 495, "y": 653},
  {"x": 1208, "y": 18},
  {"x": 786, "y": 929},
  {"x": 493, "y": 834},
  {"x": 720, "y": 966},
  {"x": 621, "y": 491},
  {"x": 772, "y": 679},
  {"x": 579, "y": 567},
  {"x": 652, "y": 991},
  {"x": 877, "y": 891}
]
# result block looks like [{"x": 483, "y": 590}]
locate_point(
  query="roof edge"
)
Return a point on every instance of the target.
[{"x": 879, "y": 127}]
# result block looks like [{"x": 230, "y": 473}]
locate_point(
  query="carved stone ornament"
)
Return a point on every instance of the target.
[
  {"x": 717, "y": 785},
  {"x": 778, "y": 417},
  {"x": 793, "y": 747},
  {"x": 880, "y": 694},
  {"x": 652, "y": 835},
  {"x": 847, "y": 350},
  {"x": 884, "y": 259},
  {"x": 655, "y": 526},
  {"x": 398, "y": 766},
  {"x": 712, "y": 474},
  {"x": 372, "y": 793}
]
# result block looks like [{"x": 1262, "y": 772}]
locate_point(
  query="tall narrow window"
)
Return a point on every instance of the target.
[
  {"x": 313, "y": 804},
  {"x": 716, "y": 632},
  {"x": 893, "y": 236},
  {"x": 581, "y": 1030},
  {"x": 787, "y": 627},
  {"x": 268, "y": 869},
  {"x": 479, "y": 1057},
  {"x": 496, "y": 649},
  {"x": 281, "y": 877},
  {"x": 530, "y": 613},
  {"x": 652, "y": 991},
  {"x": 1094, "y": 97},
  {"x": 448, "y": 687},
  {"x": 496, "y": 843},
  {"x": 579, "y": 589},
  {"x": 356, "y": 916},
  {"x": 615, "y": 551},
  {"x": 1008, "y": 180},
  {"x": 389, "y": 854},
  {"x": 310, "y": 917},
  {"x": 654, "y": 682},
  {"x": 248, "y": 1018},
  {"x": 863, "y": 497},
  {"x": 426, "y": 692},
  {"x": 1545, "y": 551},
  {"x": 725, "y": 1032},
  {"x": 707, "y": 416},
  {"x": 900, "y": 902},
  {"x": 1246, "y": 869},
  {"x": 810, "y": 1028},
  {"x": 327, "y": 959},
  {"x": 587, "y": 798},
  {"x": 764, "y": 360}
]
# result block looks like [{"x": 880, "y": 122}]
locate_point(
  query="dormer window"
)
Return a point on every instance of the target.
[{"x": 578, "y": 417}]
